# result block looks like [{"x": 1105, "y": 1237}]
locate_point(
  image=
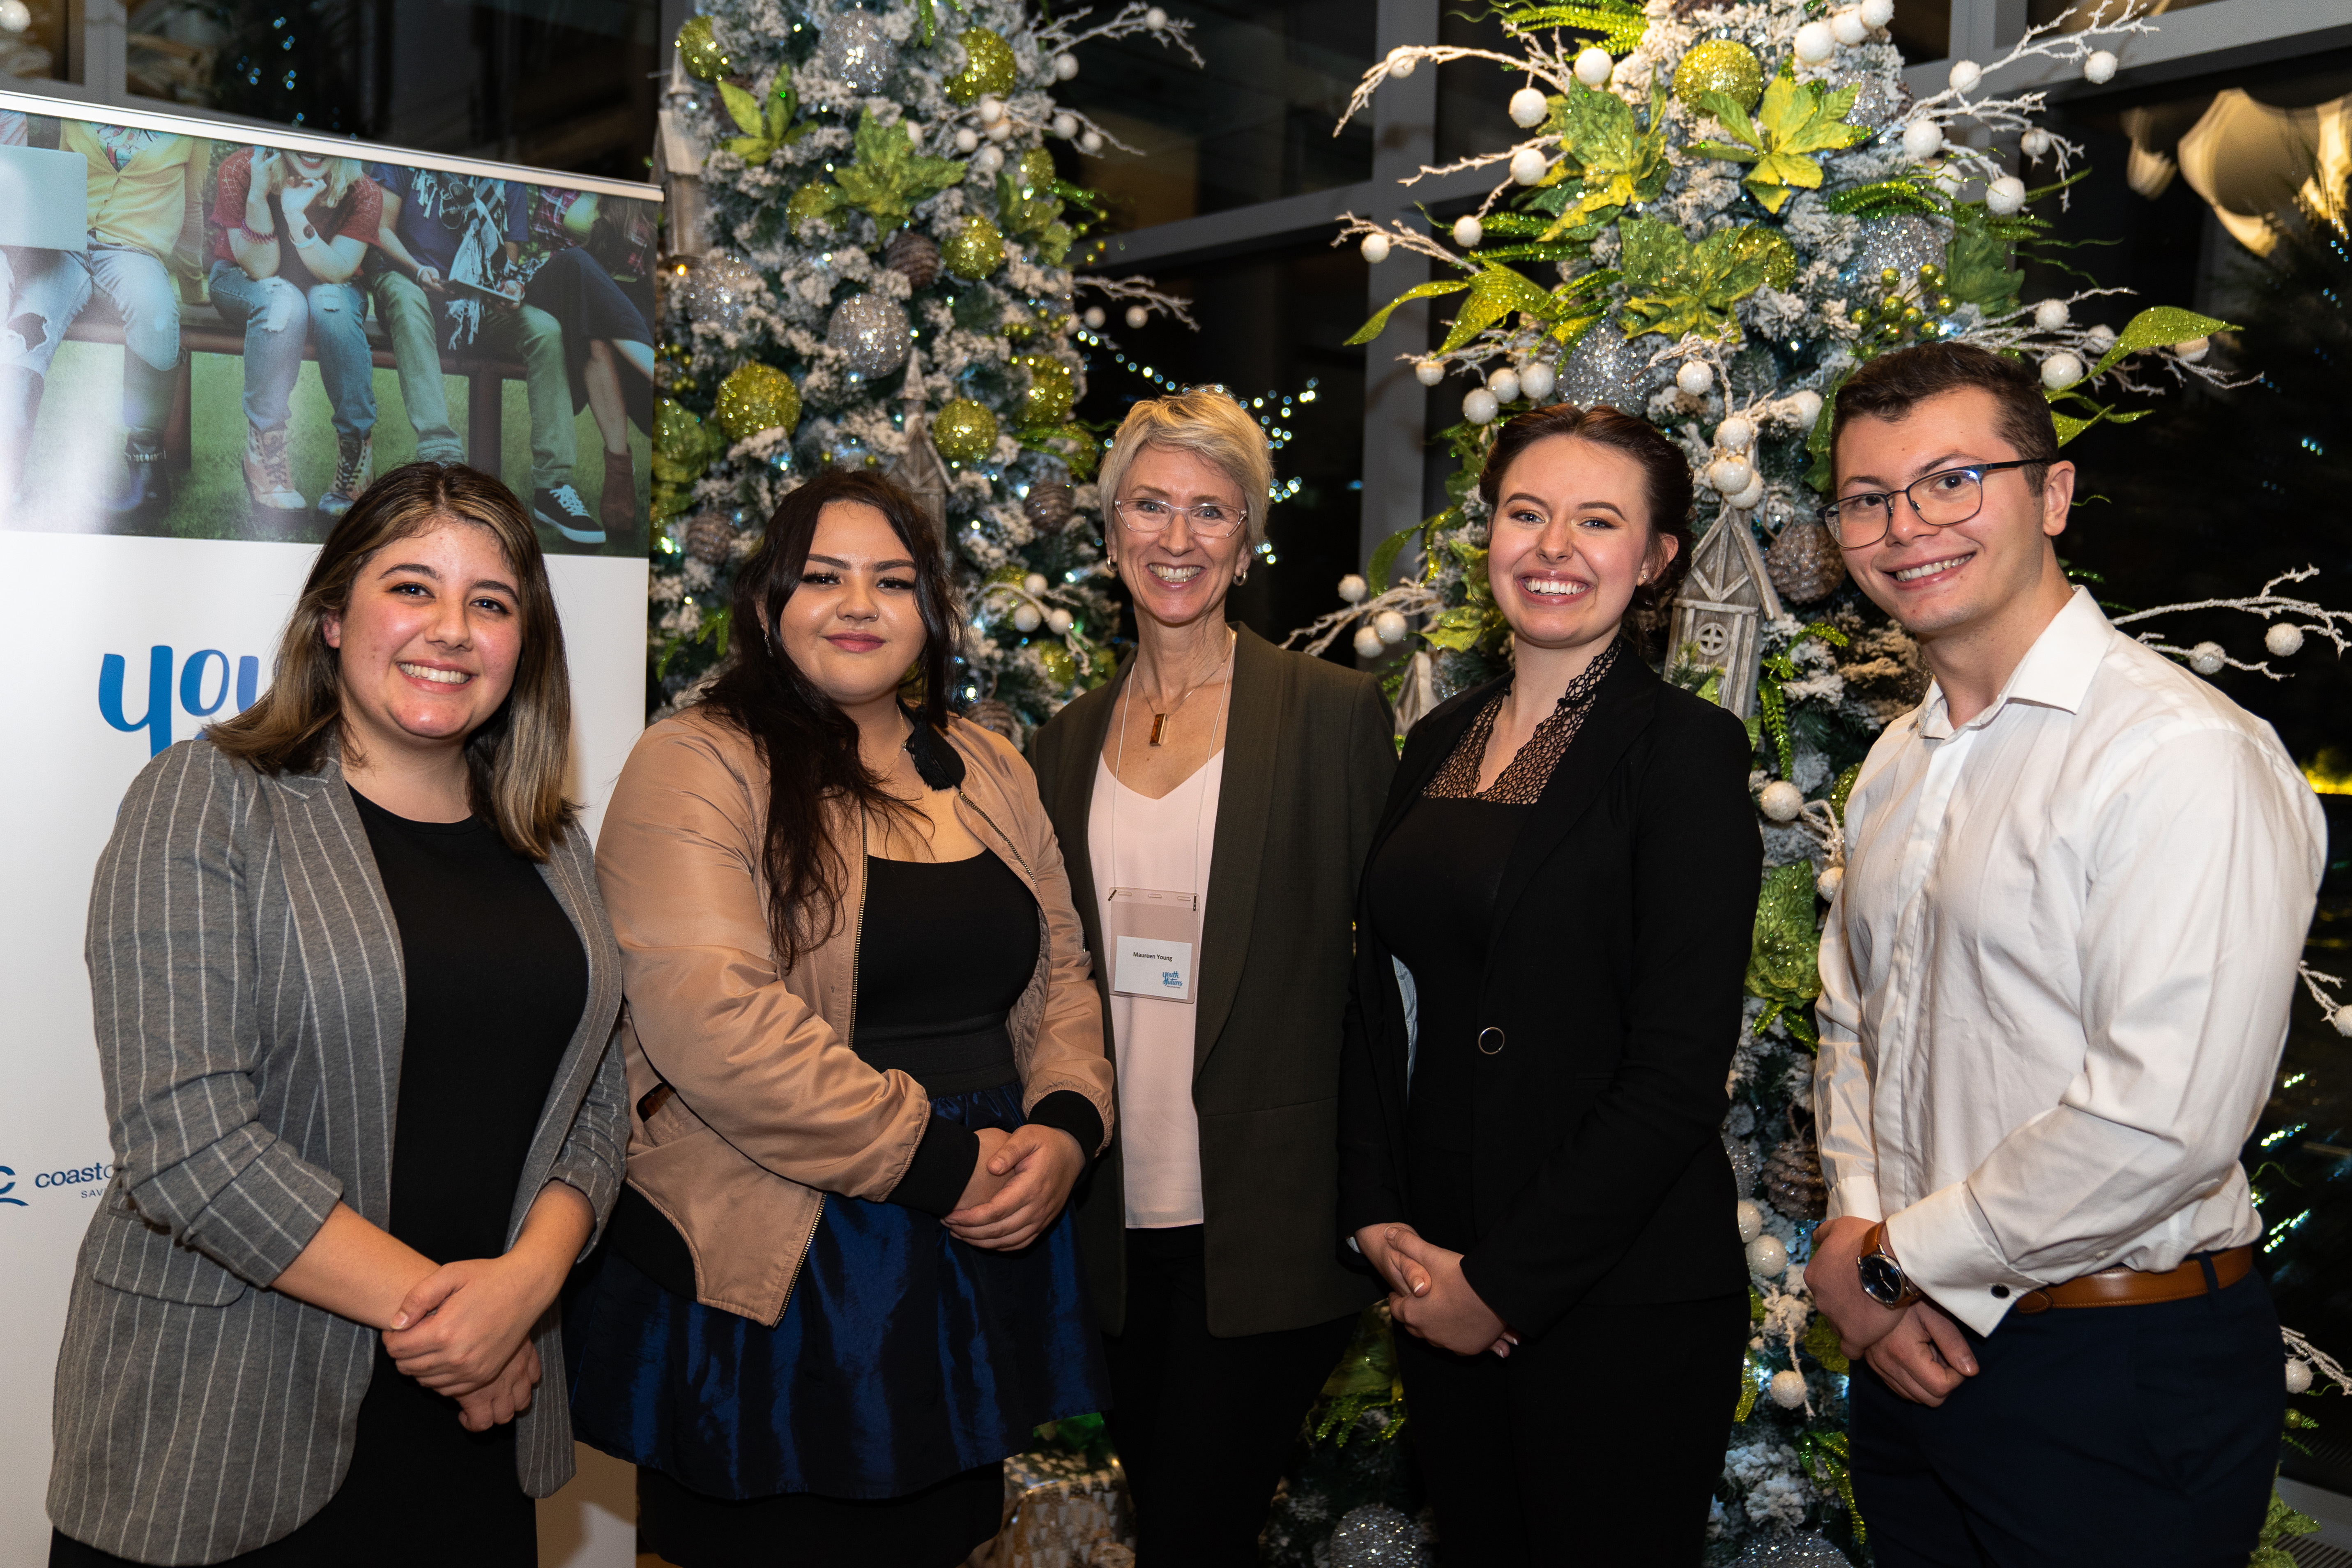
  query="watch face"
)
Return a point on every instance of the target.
[{"x": 1882, "y": 1281}]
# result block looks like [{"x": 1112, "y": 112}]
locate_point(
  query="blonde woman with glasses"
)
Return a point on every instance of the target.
[{"x": 1215, "y": 802}]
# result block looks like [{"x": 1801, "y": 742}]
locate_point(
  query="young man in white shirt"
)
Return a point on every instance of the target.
[{"x": 2055, "y": 985}]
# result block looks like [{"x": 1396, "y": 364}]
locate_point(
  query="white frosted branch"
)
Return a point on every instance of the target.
[
  {"x": 1064, "y": 33},
  {"x": 1138, "y": 291},
  {"x": 1407, "y": 598}
]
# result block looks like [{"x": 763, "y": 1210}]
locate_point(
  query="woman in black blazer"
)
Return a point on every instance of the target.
[
  {"x": 1218, "y": 767},
  {"x": 1555, "y": 919}
]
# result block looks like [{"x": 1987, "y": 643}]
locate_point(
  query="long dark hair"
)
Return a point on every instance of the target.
[
  {"x": 809, "y": 746},
  {"x": 1667, "y": 477}
]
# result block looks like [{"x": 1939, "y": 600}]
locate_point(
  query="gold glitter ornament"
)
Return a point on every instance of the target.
[
  {"x": 699, "y": 50},
  {"x": 756, "y": 398},
  {"x": 1804, "y": 562},
  {"x": 811, "y": 200},
  {"x": 1035, "y": 173},
  {"x": 988, "y": 67},
  {"x": 963, "y": 431},
  {"x": 1060, "y": 665},
  {"x": 1720, "y": 65},
  {"x": 1050, "y": 391},
  {"x": 976, "y": 250}
]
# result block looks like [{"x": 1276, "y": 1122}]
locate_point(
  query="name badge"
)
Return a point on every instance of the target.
[{"x": 1153, "y": 936}]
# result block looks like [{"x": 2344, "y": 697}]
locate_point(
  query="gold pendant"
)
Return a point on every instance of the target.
[{"x": 1158, "y": 725}]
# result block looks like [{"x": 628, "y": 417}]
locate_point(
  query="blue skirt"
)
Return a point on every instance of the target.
[{"x": 904, "y": 1357}]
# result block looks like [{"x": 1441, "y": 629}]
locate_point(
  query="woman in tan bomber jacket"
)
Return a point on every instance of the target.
[{"x": 866, "y": 1068}]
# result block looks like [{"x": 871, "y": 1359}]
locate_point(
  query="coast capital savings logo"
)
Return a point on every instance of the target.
[
  {"x": 9, "y": 1186},
  {"x": 206, "y": 674}
]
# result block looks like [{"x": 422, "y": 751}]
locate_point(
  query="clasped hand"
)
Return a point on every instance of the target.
[
  {"x": 1017, "y": 1187},
  {"x": 464, "y": 1330},
  {"x": 1428, "y": 1294},
  {"x": 1918, "y": 1351}
]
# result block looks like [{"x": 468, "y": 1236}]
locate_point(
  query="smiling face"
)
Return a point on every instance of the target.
[
  {"x": 853, "y": 625},
  {"x": 1178, "y": 575},
  {"x": 1570, "y": 540},
  {"x": 1969, "y": 577},
  {"x": 428, "y": 642}
]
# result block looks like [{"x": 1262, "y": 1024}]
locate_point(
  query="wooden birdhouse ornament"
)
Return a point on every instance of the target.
[{"x": 1721, "y": 606}]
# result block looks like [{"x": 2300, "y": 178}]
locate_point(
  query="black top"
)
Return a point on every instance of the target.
[{"x": 496, "y": 982}]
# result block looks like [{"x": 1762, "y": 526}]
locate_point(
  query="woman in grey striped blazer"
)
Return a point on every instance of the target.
[{"x": 354, "y": 990}]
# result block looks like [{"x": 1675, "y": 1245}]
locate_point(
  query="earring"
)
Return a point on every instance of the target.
[{"x": 1241, "y": 576}]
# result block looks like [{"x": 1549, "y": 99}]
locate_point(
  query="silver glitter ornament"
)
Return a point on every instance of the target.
[
  {"x": 1777, "y": 1550},
  {"x": 870, "y": 330},
  {"x": 1745, "y": 1164},
  {"x": 1906, "y": 243},
  {"x": 857, "y": 50},
  {"x": 1378, "y": 1536},
  {"x": 1879, "y": 100},
  {"x": 719, "y": 289},
  {"x": 1607, "y": 367}
]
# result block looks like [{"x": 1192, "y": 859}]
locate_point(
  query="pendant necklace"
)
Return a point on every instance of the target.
[{"x": 1159, "y": 720}]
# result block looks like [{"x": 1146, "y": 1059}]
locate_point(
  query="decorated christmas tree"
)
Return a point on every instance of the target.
[{"x": 871, "y": 265}]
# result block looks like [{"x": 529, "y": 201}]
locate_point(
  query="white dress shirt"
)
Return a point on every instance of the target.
[{"x": 2056, "y": 982}]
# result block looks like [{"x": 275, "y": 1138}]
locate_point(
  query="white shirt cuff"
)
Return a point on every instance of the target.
[
  {"x": 1857, "y": 1197},
  {"x": 1947, "y": 1250}
]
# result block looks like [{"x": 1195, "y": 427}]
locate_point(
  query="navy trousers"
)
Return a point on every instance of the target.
[{"x": 2147, "y": 1435}]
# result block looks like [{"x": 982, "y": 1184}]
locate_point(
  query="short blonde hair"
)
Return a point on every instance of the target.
[{"x": 1207, "y": 423}]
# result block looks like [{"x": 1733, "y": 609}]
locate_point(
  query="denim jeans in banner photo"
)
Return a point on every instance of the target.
[
  {"x": 414, "y": 320},
  {"x": 277, "y": 317},
  {"x": 50, "y": 289}
]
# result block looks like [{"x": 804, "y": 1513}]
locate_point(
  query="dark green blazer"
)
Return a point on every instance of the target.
[{"x": 1308, "y": 754}]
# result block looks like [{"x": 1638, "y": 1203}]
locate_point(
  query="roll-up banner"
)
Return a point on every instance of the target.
[{"x": 213, "y": 336}]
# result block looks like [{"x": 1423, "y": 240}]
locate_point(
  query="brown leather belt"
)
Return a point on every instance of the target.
[{"x": 2133, "y": 1288}]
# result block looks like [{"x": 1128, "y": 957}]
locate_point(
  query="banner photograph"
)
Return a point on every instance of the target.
[{"x": 217, "y": 339}]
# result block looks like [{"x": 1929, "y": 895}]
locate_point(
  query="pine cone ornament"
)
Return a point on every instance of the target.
[
  {"x": 914, "y": 256},
  {"x": 710, "y": 539},
  {"x": 1804, "y": 562},
  {"x": 1048, "y": 507},
  {"x": 990, "y": 714},
  {"x": 1792, "y": 1179}
]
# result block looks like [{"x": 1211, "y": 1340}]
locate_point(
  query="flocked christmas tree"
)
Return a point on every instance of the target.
[{"x": 872, "y": 267}]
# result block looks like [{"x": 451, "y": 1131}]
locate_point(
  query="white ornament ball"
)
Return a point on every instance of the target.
[
  {"x": 1695, "y": 377},
  {"x": 1090, "y": 140},
  {"x": 1060, "y": 622},
  {"x": 1789, "y": 1389},
  {"x": 2208, "y": 659},
  {"x": 1156, "y": 19},
  {"x": 1768, "y": 1257},
  {"x": 1468, "y": 232},
  {"x": 1429, "y": 371},
  {"x": 1480, "y": 406},
  {"x": 2342, "y": 1019},
  {"x": 1001, "y": 131},
  {"x": 1781, "y": 801},
  {"x": 2193, "y": 348},
  {"x": 1751, "y": 1221},
  {"x": 2005, "y": 197},
  {"x": 1848, "y": 27},
  {"x": 1815, "y": 43},
  {"x": 1094, "y": 317},
  {"x": 1529, "y": 108},
  {"x": 1368, "y": 643},
  {"x": 1066, "y": 66},
  {"x": 1593, "y": 68},
  {"x": 1877, "y": 12},
  {"x": 2102, "y": 338},
  {"x": 1965, "y": 75},
  {"x": 2298, "y": 1376},
  {"x": 1730, "y": 475},
  {"x": 1401, "y": 64},
  {"x": 14, "y": 15},
  {"x": 2051, "y": 315},
  {"x": 988, "y": 160},
  {"x": 1827, "y": 884},
  {"x": 1736, "y": 434},
  {"x": 1065, "y": 126},
  {"x": 2034, "y": 143},
  {"x": 1504, "y": 385},
  {"x": 1375, "y": 248},
  {"x": 1389, "y": 625},
  {"x": 1026, "y": 618},
  {"x": 966, "y": 138},
  {"x": 1538, "y": 381},
  {"x": 1035, "y": 583},
  {"x": 1353, "y": 589},
  {"x": 1806, "y": 406},
  {"x": 1749, "y": 498},
  {"x": 991, "y": 109},
  {"x": 1528, "y": 165},
  {"x": 2100, "y": 66},
  {"x": 1135, "y": 316},
  {"x": 2061, "y": 370},
  {"x": 2285, "y": 638},
  {"x": 1922, "y": 139}
]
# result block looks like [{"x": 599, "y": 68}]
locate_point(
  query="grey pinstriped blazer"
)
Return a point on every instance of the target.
[{"x": 246, "y": 979}]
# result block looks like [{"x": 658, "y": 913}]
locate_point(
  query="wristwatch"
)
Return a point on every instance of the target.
[{"x": 1883, "y": 1280}]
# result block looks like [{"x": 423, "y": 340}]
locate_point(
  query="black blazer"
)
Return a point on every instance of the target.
[
  {"x": 1620, "y": 935},
  {"x": 1310, "y": 750}
]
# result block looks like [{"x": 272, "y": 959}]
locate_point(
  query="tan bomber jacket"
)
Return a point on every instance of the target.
[{"x": 771, "y": 1108}]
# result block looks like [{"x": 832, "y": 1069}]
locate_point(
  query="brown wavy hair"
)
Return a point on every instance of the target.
[
  {"x": 809, "y": 746},
  {"x": 1667, "y": 483},
  {"x": 515, "y": 759}
]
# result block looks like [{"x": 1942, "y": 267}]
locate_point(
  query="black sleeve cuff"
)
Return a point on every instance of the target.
[
  {"x": 1074, "y": 1114},
  {"x": 941, "y": 1169}
]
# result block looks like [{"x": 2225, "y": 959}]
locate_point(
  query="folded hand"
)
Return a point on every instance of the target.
[
  {"x": 505, "y": 1396},
  {"x": 1435, "y": 1302},
  {"x": 1038, "y": 1166},
  {"x": 459, "y": 1328}
]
